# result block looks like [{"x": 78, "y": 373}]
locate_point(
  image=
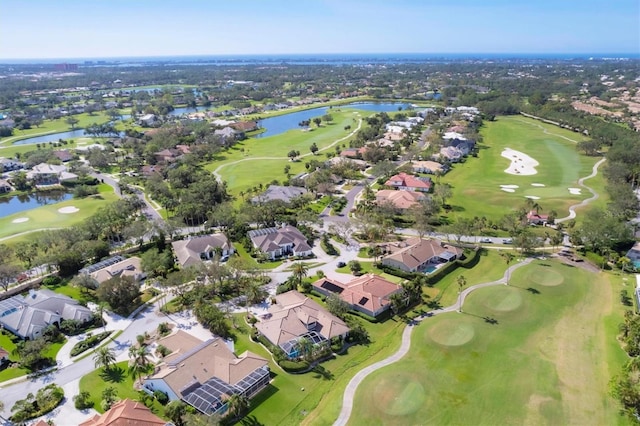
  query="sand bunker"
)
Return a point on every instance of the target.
[
  {"x": 508, "y": 190},
  {"x": 574, "y": 191},
  {"x": 521, "y": 164},
  {"x": 67, "y": 210},
  {"x": 510, "y": 186},
  {"x": 532, "y": 197},
  {"x": 20, "y": 220},
  {"x": 537, "y": 184}
]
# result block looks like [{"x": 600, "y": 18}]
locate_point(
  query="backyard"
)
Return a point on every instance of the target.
[{"x": 554, "y": 328}]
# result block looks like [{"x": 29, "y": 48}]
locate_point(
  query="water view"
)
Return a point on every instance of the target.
[
  {"x": 20, "y": 203},
  {"x": 283, "y": 123}
]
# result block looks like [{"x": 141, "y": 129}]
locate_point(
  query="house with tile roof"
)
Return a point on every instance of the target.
[
  {"x": 49, "y": 174},
  {"x": 401, "y": 200},
  {"x": 4, "y": 355},
  {"x": 535, "y": 218},
  {"x": 5, "y": 186},
  {"x": 28, "y": 316},
  {"x": 406, "y": 182},
  {"x": 126, "y": 413},
  {"x": 130, "y": 267},
  {"x": 279, "y": 242},
  {"x": 205, "y": 374},
  {"x": 430, "y": 167},
  {"x": 369, "y": 293},
  {"x": 277, "y": 192},
  {"x": 293, "y": 317},
  {"x": 194, "y": 250},
  {"x": 418, "y": 255}
]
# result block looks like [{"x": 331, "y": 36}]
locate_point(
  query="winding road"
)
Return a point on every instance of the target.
[{"x": 352, "y": 386}]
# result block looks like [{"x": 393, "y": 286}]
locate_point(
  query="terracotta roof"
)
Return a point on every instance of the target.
[
  {"x": 369, "y": 291},
  {"x": 3, "y": 353},
  {"x": 533, "y": 216},
  {"x": 126, "y": 413},
  {"x": 292, "y": 315},
  {"x": 409, "y": 181},
  {"x": 400, "y": 199}
]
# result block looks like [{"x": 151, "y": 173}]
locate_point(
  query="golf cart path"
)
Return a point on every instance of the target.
[
  {"x": 216, "y": 172},
  {"x": 572, "y": 208},
  {"x": 352, "y": 386},
  {"x": 27, "y": 232},
  {"x": 594, "y": 172}
]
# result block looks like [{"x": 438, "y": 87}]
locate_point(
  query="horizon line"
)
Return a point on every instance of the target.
[{"x": 311, "y": 54}]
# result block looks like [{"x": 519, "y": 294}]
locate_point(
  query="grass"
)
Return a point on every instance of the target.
[
  {"x": 476, "y": 183},
  {"x": 538, "y": 352},
  {"x": 7, "y": 343},
  {"x": 48, "y": 216},
  {"x": 368, "y": 267},
  {"x": 119, "y": 378},
  {"x": 242, "y": 252},
  {"x": 293, "y": 399},
  {"x": 243, "y": 167},
  {"x": 490, "y": 267}
]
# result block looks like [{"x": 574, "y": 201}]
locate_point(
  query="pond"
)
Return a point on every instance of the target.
[
  {"x": 20, "y": 203},
  {"x": 283, "y": 123},
  {"x": 53, "y": 137}
]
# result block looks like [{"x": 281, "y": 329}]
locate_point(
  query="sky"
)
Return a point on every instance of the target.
[{"x": 120, "y": 28}]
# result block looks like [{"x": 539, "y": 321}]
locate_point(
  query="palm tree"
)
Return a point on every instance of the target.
[
  {"x": 462, "y": 281},
  {"x": 624, "y": 262},
  {"x": 237, "y": 404},
  {"x": 104, "y": 357},
  {"x": 139, "y": 362},
  {"x": 508, "y": 258},
  {"x": 300, "y": 270},
  {"x": 306, "y": 348}
]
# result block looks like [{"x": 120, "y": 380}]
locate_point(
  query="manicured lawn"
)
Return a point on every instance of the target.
[
  {"x": 540, "y": 351},
  {"x": 240, "y": 250},
  {"x": 367, "y": 267},
  {"x": 119, "y": 378},
  {"x": 490, "y": 267},
  {"x": 74, "y": 292},
  {"x": 310, "y": 398},
  {"x": 476, "y": 183},
  {"x": 48, "y": 216},
  {"x": 6, "y": 342},
  {"x": 244, "y": 166}
]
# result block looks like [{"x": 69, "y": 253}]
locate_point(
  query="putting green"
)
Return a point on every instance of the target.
[
  {"x": 545, "y": 276},
  {"x": 452, "y": 333},
  {"x": 505, "y": 299},
  {"x": 399, "y": 395}
]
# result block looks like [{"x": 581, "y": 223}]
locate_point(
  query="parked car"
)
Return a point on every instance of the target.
[
  {"x": 507, "y": 241},
  {"x": 341, "y": 264},
  {"x": 486, "y": 240}
]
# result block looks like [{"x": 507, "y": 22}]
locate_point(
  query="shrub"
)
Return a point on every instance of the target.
[
  {"x": 89, "y": 343},
  {"x": 162, "y": 397},
  {"x": 294, "y": 366},
  {"x": 163, "y": 350},
  {"x": 82, "y": 401},
  {"x": 52, "y": 280},
  {"x": 163, "y": 329},
  {"x": 45, "y": 400}
]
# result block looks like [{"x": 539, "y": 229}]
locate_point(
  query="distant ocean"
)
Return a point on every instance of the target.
[{"x": 327, "y": 59}]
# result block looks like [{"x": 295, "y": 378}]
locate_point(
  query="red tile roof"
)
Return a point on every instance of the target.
[{"x": 126, "y": 413}]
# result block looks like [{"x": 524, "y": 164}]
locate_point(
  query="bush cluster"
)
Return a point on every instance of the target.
[
  {"x": 45, "y": 400},
  {"x": 89, "y": 343}
]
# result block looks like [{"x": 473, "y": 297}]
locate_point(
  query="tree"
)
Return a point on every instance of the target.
[
  {"x": 122, "y": 293},
  {"x": 254, "y": 293},
  {"x": 313, "y": 148},
  {"x": 508, "y": 258},
  {"x": 104, "y": 357},
  {"x": 624, "y": 262},
  {"x": 327, "y": 118},
  {"x": 32, "y": 353},
  {"x": 300, "y": 271},
  {"x": 293, "y": 154},
  {"x": 84, "y": 282},
  {"x": 462, "y": 281},
  {"x": 355, "y": 267},
  {"x": 336, "y": 305},
  {"x": 212, "y": 318},
  {"x": 156, "y": 263},
  {"x": 556, "y": 239},
  {"x": 8, "y": 274},
  {"x": 317, "y": 121},
  {"x": 237, "y": 404},
  {"x": 109, "y": 396},
  {"x": 442, "y": 193},
  {"x": 176, "y": 412},
  {"x": 305, "y": 348},
  {"x": 139, "y": 361},
  {"x": 72, "y": 121}
]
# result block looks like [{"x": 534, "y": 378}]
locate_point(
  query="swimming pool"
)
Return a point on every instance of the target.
[{"x": 430, "y": 269}]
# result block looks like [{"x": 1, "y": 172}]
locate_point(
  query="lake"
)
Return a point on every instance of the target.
[
  {"x": 20, "y": 203},
  {"x": 283, "y": 123},
  {"x": 54, "y": 137}
]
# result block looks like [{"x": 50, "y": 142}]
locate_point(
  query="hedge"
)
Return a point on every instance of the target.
[
  {"x": 89, "y": 343},
  {"x": 51, "y": 396},
  {"x": 294, "y": 366}
]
